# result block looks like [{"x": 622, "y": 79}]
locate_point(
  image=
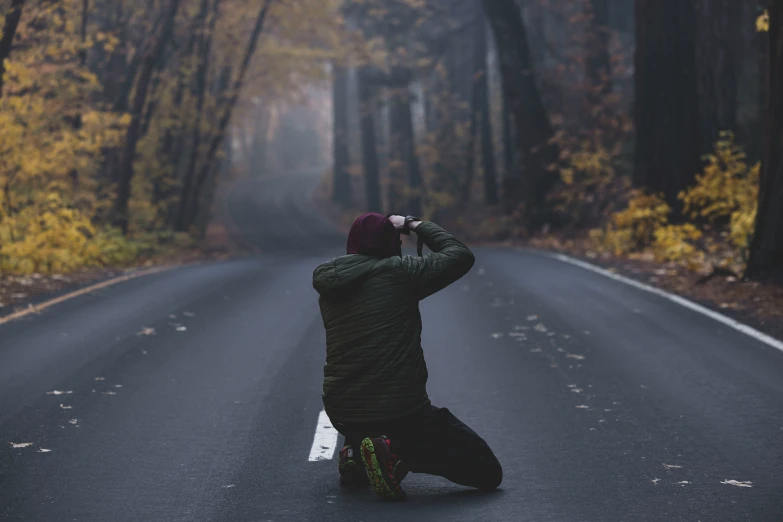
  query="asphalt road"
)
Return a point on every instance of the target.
[{"x": 603, "y": 402}]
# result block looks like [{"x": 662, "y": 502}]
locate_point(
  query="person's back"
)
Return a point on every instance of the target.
[{"x": 375, "y": 374}]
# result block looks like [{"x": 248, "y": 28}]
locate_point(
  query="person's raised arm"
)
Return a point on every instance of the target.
[{"x": 448, "y": 261}]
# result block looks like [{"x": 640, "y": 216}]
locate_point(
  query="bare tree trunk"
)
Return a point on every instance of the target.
[
  {"x": 341, "y": 190},
  {"x": 200, "y": 91},
  {"x": 487, "y": 143},
  {"x": 369, "y": 146},
  {"x": 12, "y": 17},
  {"x": 666, "y": 111},
  {"x": 766, "y": 250},
  {"x": 534, "y": 131},
  {"x": 718, "y": 35},
  {"x": 120, "y": 216},
  {"x": 599, "y": 64},
  {"x": 415, "y": 182}
]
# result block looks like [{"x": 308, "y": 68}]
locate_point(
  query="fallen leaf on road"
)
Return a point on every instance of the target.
[
  {"x": 671, "y": 466},
  {"x": 682, "y": 482},
  {"x": 572, "y": 385},
  {"x": 188, "y": 314},
  {"x": 532, "y": 318},
  {"x": 109, "y": 393},
  {"x": 43, "y": 450},
  {"x": 541, "y": 328},
  {"x": 100, "y": 378},
  {"x": 147, "y": 331},
  {"x": 181, "y": 328},
  {"x": 229, "y": 486},
  {"x": 64, "y": 407},
  {"x": 118, "y": 385},
  {"x": 58, "y": 392},
  {"x": 575, "y": 356},
  {"x": 74, "y": 421},
  {"x": 655, "y": 481},
  {"x": 582, "y": 406},
  {"x": 577, "y": 390},
  {"x": 738, "y": 483},
  {"x": 16, "y": 445}
]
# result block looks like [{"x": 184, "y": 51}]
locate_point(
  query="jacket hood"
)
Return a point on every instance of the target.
[{"x": 343, "y": 274}]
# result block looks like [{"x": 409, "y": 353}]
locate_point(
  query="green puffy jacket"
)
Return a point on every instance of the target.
[{"x": 375, "y": 369}]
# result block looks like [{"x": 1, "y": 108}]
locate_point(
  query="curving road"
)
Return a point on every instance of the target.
[{"x": 603, "y": 402}]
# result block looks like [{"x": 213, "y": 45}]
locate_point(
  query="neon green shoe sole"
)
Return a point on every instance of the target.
[{"x": 376, "y": 462}]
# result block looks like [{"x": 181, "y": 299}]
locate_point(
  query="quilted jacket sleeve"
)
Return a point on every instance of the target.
[{"x": 448, "y": 261}]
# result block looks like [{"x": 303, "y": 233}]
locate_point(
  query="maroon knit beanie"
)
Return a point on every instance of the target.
[{"x": 374, "y": 235}]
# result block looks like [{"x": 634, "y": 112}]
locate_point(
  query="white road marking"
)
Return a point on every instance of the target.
[
  {"x": 731, "y": 323},
  {"x": 325, "y": 440}
]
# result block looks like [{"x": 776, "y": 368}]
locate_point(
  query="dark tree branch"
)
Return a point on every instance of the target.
[{"x": 7, "y": 38}]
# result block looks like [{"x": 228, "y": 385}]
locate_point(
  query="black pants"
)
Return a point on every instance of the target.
[{"x": 435, "y": 442}]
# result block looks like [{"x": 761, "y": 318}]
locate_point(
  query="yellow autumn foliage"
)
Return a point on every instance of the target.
[
  {"x": 48, "y": 194},
  {"x": 634, "y": 228},
  {"x": 727, "y": 191},
  {"x": 721, "y": 206},
  {"x": 762, "y": 22}
]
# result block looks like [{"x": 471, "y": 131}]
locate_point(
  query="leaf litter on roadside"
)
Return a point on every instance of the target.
[
  {"x": 58, "y": 392},
  {"x": 738, "y": 483},
  {"x": 146, "y": 331},
  {"x": 18, "y": 445},
  {"x": 43, "y": 450}
]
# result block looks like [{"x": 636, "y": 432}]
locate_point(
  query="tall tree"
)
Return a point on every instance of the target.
[
  {"x": 120, "y": 207},
  {"x": 534, "y": 130},
  {"x": 403, "y": 148},
  {"x": 487, "y": 141},
  {"x": 666, "y": 107},
  {"x": 199, "y": 90},
  {"x": 11, "y": 23},
  {"x": 226, "y": 110},
  {"x": 480, "y": 119},
  {"x": 341, "y": 189},
  {"x": 367, "y": 111},
  {"x": 718, "y": 35},
  {"x": 599, "y": 64},
  {"x": 766, "y": 250}
]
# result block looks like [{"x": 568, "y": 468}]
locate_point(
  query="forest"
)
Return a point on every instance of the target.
[{"x": 645, "y": 129}]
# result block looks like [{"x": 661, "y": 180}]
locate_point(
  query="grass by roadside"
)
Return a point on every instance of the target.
[{"x": 18, "y": 292}]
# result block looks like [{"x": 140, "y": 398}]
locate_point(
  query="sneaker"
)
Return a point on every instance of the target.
[
  {"x": 352, "y": 471},
  {"x": 384, "y": 469}
]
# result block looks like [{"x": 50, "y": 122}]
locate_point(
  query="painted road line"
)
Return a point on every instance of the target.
[
  {"x": 34, "y": 309},
  {"x": 728, "y": 321},
  {"x": 325, "y": 440}
]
